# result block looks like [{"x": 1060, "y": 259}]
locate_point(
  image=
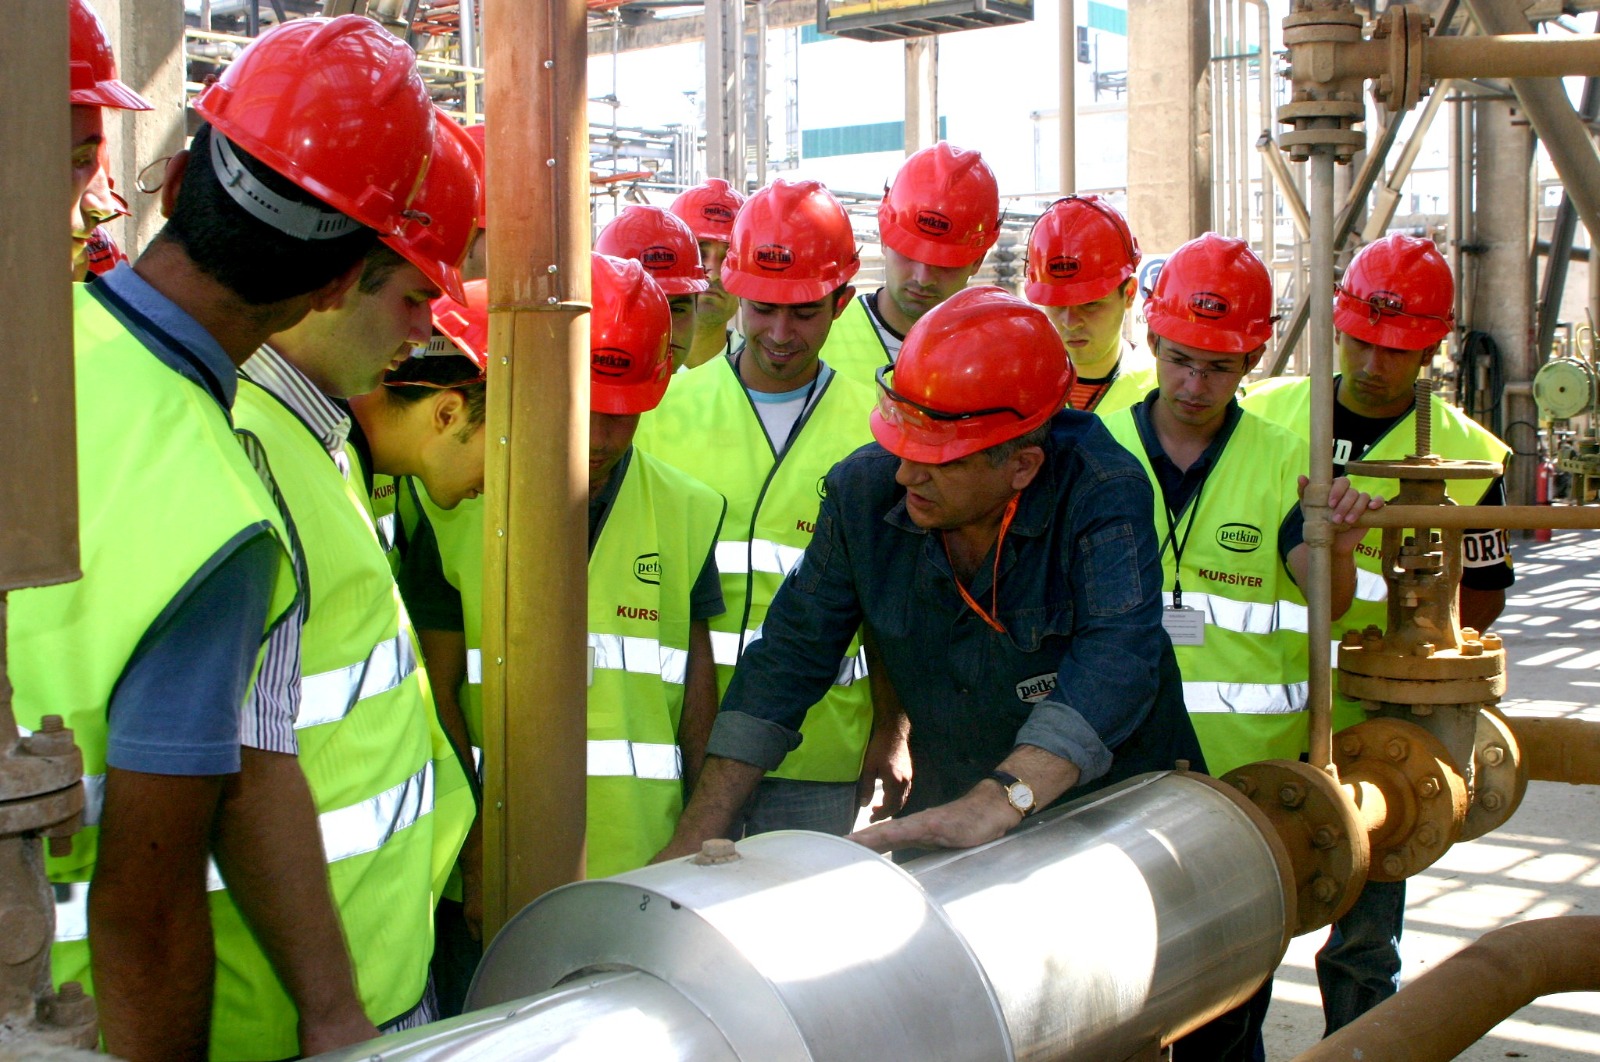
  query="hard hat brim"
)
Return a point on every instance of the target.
[{"x": 110, "y": 94}]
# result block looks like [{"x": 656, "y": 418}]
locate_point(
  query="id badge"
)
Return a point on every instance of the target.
[
  {"x": 1185, "y": 626},
  {"x": 591, "y": 666}
]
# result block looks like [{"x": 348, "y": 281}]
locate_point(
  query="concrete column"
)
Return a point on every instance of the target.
[
  {"x": 147, "y": 37},
  {"x": 922, "y": 93},
  {"x": 1169, "y": 103},
  {"x": 1502, "y": 296}
]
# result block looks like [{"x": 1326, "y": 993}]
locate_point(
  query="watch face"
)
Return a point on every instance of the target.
[{"x": 1021, "y": 795}]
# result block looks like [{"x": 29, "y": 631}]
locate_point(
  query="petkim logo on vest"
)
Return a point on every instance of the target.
[
  {"x": 609, "y": 361},
  {"x": 822, "y": 487},
  {"x": 1239, "y": 538},
  {"x": 647, "y": 568},
  {"x": 933, "y": 223},
  {"x": 774, "y": 256}
]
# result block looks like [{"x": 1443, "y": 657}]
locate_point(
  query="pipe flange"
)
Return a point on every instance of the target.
[
  {"x": 1422, "y": 691},
  {"x": 1320, "y": 829},
  {"x": 1499, "y": 775},
  {"x": 1369, "y": 653},
  {"x": 1424, "y": 793},
  {"x": 1300, "y": 145}
]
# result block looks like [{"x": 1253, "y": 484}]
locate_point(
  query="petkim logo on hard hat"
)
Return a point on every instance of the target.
[
  {"x": 716, "y": 212},
  {"x": 774, "y": 256},
  {"x": 1062, "y": 267},
  {"x": 647, "y": 568},
  {"x": 658, "y": 257},
  {"x": 933, "y": 223},
  {"x": 1239, "y": 538},
  {"x": 1209, "y": 304},
  {"x": 609, "y": 361}
]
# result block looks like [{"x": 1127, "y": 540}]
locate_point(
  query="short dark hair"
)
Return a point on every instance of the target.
[
  {"x": 429, "y": 376},
  {"x": 252, "y": 259},
  {"x": 1000, "y": 453},
  {"x": 380, "y": 264}
]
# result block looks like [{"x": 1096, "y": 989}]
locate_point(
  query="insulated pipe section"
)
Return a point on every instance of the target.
[
  {"x": 1501, "y": 973},
  {"x": 1558, "y": 750},
  {"x": 1094, "y": 933}
]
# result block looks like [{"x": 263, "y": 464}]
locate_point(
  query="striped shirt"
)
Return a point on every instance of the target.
[{"x": 267, "y": 722}]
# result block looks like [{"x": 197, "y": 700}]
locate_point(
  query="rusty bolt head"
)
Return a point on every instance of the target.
[
  {"x": 1245, "y": 786},
  {"x": 1422, "y": 709},
  {"x": 1428, "y": 788},
  {"x": 1492, "y": 642},
  {"x": 1427, "y": 835},
  {"x": 1351, "y": 639},
  {"x": 1372, "y": 630},
  {"x": 1372, "y": 642},
  {"x": 1469, "y": 634},
  {"x": 1393, "y": 865},
  {"x": 1397, "y": 749},
  {"x": 1423, "y": 649},
  {"x": 1411, "y": 540},
  {"x": 1324, "y": 889},
  {"x": 1350, "y": 745},
  {"x": 1324, "y": 837},
  {"x": 715, "y": 851},
  {"x": 1410, "y": 600},
  {"x": 71, "y": 992},
  {"x": 1491, "y": 800},
  {"x": 1472, "y": 648},
  {"x": 1292, "y": 795},
  {"x": 49, "y": 725},
  {"x": 1493, "y": 755}
]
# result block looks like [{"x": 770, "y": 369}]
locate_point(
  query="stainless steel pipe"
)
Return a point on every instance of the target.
[{"x": 1094, "y": 933}]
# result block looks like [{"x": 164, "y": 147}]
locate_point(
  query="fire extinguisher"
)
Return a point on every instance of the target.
[{"x": 1541, "y": 493}]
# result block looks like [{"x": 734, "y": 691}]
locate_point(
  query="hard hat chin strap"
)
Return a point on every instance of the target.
[{"x": 303, "y": 221}]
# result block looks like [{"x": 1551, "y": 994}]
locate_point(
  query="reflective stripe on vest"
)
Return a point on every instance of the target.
[
  {"x": 725, "y": 651},
  {"x": 329, "y": 696},
  {"x": 634, "y": 759},
  {"x": 475, "y": 667},
  {"x": 741, "y": 558},
  {"x": 1370, "y": 586},
  {"x": 346, "y": 832},
  {"x": 1245, "y": 698},
  {"x": 643, "y": 656},
  {"x": 1249, "y": 617},
  {"x": 385, "y": 526}
]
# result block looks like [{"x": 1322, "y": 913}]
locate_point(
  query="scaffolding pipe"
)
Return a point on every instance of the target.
[
  {"x": 1273, "y": 157},
  {"x": 1544, "y": 98},
  {"x": 1318, "y": 532},
  {"x": 1389, "y": 190},
  {"x": 1067, "y": 114},
  {"x": 469, "y": 56},
  {"x": 1467, "y": 517},
  {"x": 1269, "y": 197},
  {"x": 1501, "y": 973},
  {"x": 535, "y": 546}
]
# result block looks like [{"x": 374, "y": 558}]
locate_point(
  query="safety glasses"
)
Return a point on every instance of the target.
[{"x": 897, "y": 408}]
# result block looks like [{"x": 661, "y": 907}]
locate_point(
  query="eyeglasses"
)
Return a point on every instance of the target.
[
  {"x": 1205, "y": 374},
  {"x": 899, "y": 407}
]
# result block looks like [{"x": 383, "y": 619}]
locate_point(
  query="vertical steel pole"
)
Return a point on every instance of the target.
[
  {"x": 1319, "y": 536},
  {"x": 467, "y": 13},
  {"x": 761, "y": 93},
  {"x": 1068, "y": 104},
  {"x": 535, "y": 545}
]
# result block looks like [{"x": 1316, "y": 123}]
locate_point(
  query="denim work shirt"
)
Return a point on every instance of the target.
[{"x": 1084, "y": 671}]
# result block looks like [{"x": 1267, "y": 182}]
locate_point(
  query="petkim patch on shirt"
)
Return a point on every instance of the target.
[{"x": 1035, "y": 689}]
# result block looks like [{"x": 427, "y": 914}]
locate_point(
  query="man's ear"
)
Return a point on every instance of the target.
[
  {"x": 172, "y": 180},
  {"x": 843, "y": 302},
  {"x": 332, "y": 295},
  {"x": 1252, "y": 360},
  {"x": 1025, "y": 465},
  {"x": 449, "y": 411}
]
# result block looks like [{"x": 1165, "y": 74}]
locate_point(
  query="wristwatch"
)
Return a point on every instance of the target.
[{"x": 1018, "y": 792}]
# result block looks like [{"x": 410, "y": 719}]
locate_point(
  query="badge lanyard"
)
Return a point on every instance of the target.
[
  {"x": 1178, "y": 545},
  {"x": 994, "y": 584}
]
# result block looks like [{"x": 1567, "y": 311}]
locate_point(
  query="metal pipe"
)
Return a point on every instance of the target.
[
  {"x": 1544, "y": 98},
  {"x": 1509, "y": 55},
  {"x": 1067, "y": 114},
  {"x": 1500, "y": 973},
  {"x": 1479, "y": 516},
  {"x": 761, "y": 94},
  {"x": 1558, "y": 750},
  {"x": 1319, "y": 533},
  {"x": 1273, "y": 158},
  {"x": 1389, "y": 191},
  {"x": 469, "y": 56},
  {"x": 1269, "y": 197},
  {"x": 535, "y": 581}
]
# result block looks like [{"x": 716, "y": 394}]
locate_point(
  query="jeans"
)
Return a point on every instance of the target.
[
  {"x": 1359, "y": 967},
  {"x": 1231, "y": 1037},
  {"x": 455, "y": 957},
  {"x": 786, "y": 804}
]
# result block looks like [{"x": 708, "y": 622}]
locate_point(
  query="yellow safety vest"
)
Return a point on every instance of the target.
[
  {"x": 1136, "y": 377},
  {"x": 163, "y": 485},
  {"x": 1246, "y": 687},
  {"x": 854, "y": 348},
  {"x": 1287, "y": 401},
  {"x": 707, "y": 427}
]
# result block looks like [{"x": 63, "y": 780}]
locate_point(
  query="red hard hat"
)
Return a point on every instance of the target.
[
  {"x": 630, "y": 361},
  {"x": 464, "y": 322},
  {"x": 1212, "y": 293},
  {"x": 791, "y": 244},
  {"x": 436, "y": 239},
  {"x": 93, "y": 68},
  {"x": 943, "y": 208},
  {"x": 476, "y": 132},
  {"x": 1079, "y": 250},
  {"x": 336, "y": 106},
  {"x": 102, "y": 252},
  {"x": 980, "y": 368},
  {"x": 709, "y": 209},
  {"x": 661, "y": 243},
  {"x": 1397, "y": 293}
]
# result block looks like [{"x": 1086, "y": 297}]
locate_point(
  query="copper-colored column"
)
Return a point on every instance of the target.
[{"x": 535, "y": 577}]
